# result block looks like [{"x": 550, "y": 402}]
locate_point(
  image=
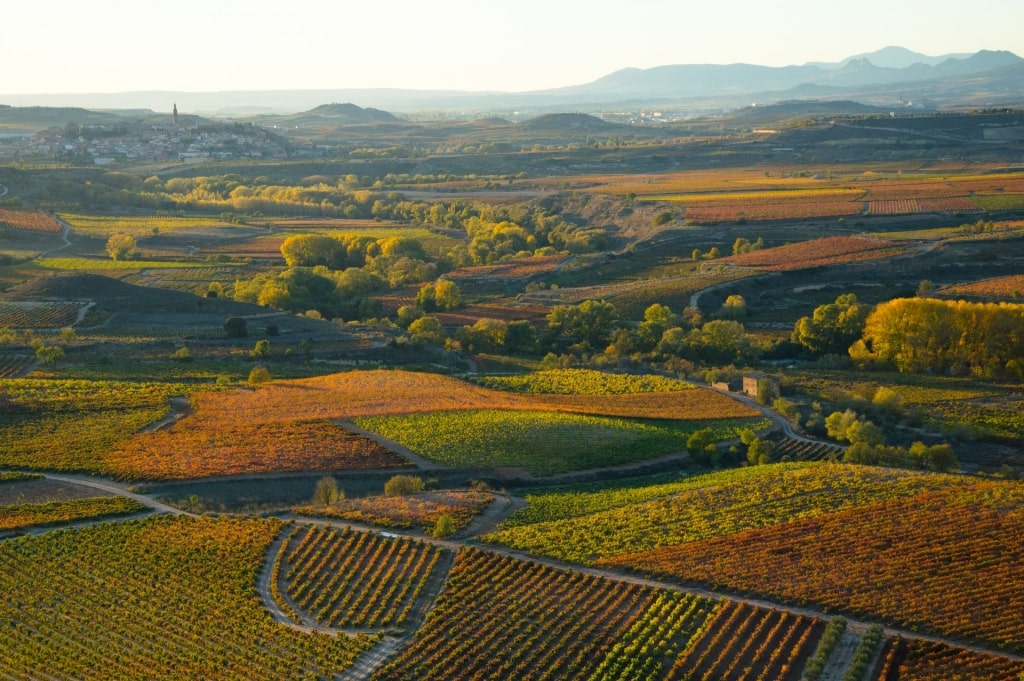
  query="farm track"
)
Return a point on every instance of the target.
[
  {"x": 181, "y": 408},
  {"x": 401, "y": 450},
  {"x": 839, "y": 661}
]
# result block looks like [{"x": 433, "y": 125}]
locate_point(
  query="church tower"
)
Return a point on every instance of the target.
[{"x": 174, "y": 115}]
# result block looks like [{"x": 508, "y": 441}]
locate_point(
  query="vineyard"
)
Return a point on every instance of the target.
[
  {"x": 20, "y": 516},
  {"x": 913, "y": 660},
  {"x": 716, "y": 505},
  {"x": 584, "y": 382},
  {"x": 790, "y": 449},
  {"x": 159, "y": 598},
  {"x": 828, "y": 251},
  {"x": 28, "y": 220},
  {"x": 72, "y": 425},
  {"x": 356, "y": 394},
  {"x": 13, "y": 366},
  {"x": 544, "y": 443},
  {"x": 246, "y": 447},
  {"x": 502, "y": 618},
  {"x": 38, "y": 315},
  {"x": 356, "y": 580},
  {"x": 1007, "y": 288},
  {"x": 142, "y": 225},
  {"x": 948, "y": 561},
  {"x": 414, "y": 511},
  {"x": 632, "y": 297}
]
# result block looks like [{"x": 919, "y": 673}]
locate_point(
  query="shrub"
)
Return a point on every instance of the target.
[
  {"x": 258, "y": 375},
  {"x": 402, "y": 485}
]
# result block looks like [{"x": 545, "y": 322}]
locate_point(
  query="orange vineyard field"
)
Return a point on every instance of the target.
[
  {"x": 199, "y": 447},
  {"x": 29, "y": 220},
  {"x": 827, "y": 251},
  {"x": 948, "y": 561},
  {"x": 417, "y": 511},
  {"x": 1011, "y": 287},
  {"x": 380, "y": 393}
]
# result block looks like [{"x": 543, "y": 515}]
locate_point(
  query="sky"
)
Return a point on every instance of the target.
[{"x": 74, "y": 46}]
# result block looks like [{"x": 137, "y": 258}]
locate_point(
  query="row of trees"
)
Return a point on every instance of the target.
[{"x": 945, "y": 337}]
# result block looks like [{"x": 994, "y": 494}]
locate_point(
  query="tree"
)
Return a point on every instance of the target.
[
  {"x": 427, "y": 331},
  {"x": 520, "y": 337},
  {"x": 701, "y": 445},
  {"x": 48, "y": 354},
  {"x": 734, "y": 307},
  {"x": 310, "y": 250},
  {"x": 447, "y": 295},
  {"x": 326, "y": 492},
  {"x": 121, "y": 246},
  {"x": 235, "y": 327},
  {"x": 590, "y": 322},
  {"x": 837, "y": 423},
  {"x": 833, "y": 327},
  {"x": 444, "y": 527},
  {"x": 261, "y": 350},
  {"x": 939, "y": 458},
  {"x": 403, "y": 485},
  {"x": 258, "y": 376},
  {"x": 658, "y": 319},
  {"x": 759, "y": 452}
]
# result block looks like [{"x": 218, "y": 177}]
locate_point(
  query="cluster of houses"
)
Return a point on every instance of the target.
[{"x": 137, "y": 142}]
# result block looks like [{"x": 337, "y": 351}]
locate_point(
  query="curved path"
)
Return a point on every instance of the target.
[
  {"x": 3, "y": 191},
  {"x": 401, "y": 450},
  {"x": 118, "y": 489}
]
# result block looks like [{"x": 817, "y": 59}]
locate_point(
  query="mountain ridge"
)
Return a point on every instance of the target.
[{"x": 951, "y": 79}]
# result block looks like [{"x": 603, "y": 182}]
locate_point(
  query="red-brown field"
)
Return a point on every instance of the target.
[
  {"x": 828, "y": 251},
  {"x": 28, "y": 220},
  {"x": 1010, "y": 288},
  {"x": 206, "y": 444}
]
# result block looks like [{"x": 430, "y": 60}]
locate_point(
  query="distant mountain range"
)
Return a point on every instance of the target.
[{"x": 885, "y": 77}]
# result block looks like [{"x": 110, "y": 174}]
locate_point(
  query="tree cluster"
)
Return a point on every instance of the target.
[{"x": 925, "y": 335}]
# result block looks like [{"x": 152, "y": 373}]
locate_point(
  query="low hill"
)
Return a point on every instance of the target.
[{"x": 574, "y": 122}]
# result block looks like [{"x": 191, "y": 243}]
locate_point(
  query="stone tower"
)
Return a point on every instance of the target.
[{"x": 174, "y": 115}]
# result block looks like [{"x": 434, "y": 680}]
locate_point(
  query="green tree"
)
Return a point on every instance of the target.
[
  {"x": 121, "y": 246},
  {"x": 427, "y": 331},
  {"x": 833, "y": 327},
  {"x": 258, "y": 376},
  {"x": 403, "y": 485},
  {"x": 444, "y": 527},
  {"x": 701, "y": 445},
  {"x": 520, "y": 337},
  {"x": 658, "y": 319},
  {"x": 837, "y": 423},
  {"x": 261, "y": 350},
  {"x": 759, "y": 452},
  {"x": 48, "y": 354},
  {"x": 590, "y": 322}
]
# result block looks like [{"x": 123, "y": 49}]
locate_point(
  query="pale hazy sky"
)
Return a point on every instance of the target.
[{"x": 58, "y": 46}]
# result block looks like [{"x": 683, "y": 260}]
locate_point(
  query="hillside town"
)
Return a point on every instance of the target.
[{"x": 165, "y": 138}]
